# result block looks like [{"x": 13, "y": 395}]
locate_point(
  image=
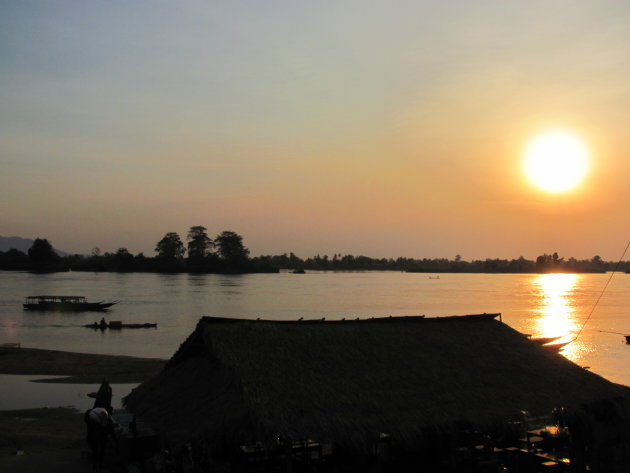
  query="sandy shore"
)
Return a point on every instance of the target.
[
  {"x": 78, "y": 367},
  {"x": 53, "y": 439}
]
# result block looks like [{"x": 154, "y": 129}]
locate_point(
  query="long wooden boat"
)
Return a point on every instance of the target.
[
  {"x": 556, "y": 346},
  {"x": 64, "y": 303},
  {"x": 545, "y": 340}
]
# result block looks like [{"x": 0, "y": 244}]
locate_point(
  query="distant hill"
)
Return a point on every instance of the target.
[{"x": 22, "y": 244}]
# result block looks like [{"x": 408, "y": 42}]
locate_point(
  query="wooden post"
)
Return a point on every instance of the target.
[{"x": 289, "y": 456}]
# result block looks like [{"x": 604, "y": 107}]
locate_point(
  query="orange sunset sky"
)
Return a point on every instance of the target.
[{"x": 393, "y": 128}]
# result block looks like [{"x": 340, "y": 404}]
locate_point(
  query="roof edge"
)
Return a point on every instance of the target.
[{"x": 389, "y": 319}]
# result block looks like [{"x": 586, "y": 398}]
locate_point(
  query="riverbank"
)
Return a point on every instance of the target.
[
  {"x": 67, "y": 367},
  {"x": 52, "y": 439}
]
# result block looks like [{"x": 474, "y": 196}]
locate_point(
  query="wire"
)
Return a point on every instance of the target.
[
  {"x": 603, "y": 290},
  {"x": 607, "y": 331}
]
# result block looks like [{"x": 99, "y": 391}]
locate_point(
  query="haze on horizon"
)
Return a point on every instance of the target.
[{"x": 379, "y": 128}]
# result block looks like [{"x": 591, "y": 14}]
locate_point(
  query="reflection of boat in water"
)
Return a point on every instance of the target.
[
  {"x": 64, "y": 303},
  {"x": 298, "y": 271},
  {"x": 434, "y": 277},
  {"x": 117, "y": 325}
]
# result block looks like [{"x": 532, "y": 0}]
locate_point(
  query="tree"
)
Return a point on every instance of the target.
[
  {"x": 597, "y": 260},
  {"x": 597, "y": 263},
  {"x": 230, "y": 248},
  {"x": 170, "y": 248},
  {"x": 199, "y": 244},
  {"x": 556, "y": 259},
  {"x": 41, "y": 252},
  {"x": 13, "y": 259},
  {"x": 543, "y": 262},
  {"x": 123, "y": 258}
]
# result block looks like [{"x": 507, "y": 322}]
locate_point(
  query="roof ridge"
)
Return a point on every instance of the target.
[{"x": 386, "y": 319}]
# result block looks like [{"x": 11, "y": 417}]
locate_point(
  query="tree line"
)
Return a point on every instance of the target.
[
  {"x": 543, "y": 264},
  {"x": 226, "y": 253}
]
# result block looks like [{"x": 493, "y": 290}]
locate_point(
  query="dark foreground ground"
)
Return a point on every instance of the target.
[
  {"x": 43, "y": 440},
  {"x": 53, "y": 439}
]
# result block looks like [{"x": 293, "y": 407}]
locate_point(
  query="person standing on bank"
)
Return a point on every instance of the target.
[
  {"x": 104, "y": 396},
  {"x": 99, "y": 426}
]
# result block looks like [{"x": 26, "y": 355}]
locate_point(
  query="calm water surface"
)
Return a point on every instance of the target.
[
  {"x": 541, "y": 305},
  {"x": 20, "y": 392}
]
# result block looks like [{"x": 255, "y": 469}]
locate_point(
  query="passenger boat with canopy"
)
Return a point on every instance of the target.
[{"x": 64, "y": 303}]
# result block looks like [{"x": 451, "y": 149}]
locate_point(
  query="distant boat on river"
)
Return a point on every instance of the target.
[
  {"x": 117, "y": 325},
  {"x": 64, "y": 303}
]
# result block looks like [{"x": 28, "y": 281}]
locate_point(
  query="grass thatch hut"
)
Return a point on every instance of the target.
[{"x": 346, "y": 382}]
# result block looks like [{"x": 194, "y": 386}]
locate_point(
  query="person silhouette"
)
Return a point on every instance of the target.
[
  {"x": 104, "y": 396},
  {"x": 99, "y": 426}
]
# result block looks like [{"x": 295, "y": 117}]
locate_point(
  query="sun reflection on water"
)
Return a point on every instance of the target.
[{"x": 555, "y": 315}]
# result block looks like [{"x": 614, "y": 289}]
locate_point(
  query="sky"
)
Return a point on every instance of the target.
[{"x": 378, "y": 128}]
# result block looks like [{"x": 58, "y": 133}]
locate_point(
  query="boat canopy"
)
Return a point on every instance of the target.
[{"x": 66, "y": 299}]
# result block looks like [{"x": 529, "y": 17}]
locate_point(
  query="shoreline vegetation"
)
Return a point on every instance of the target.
[{"x": 226, "y": 254}]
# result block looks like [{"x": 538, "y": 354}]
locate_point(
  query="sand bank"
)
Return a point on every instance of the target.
[
  {"x": 53, "y": 439},
  {"x": 66, "y": 367}
]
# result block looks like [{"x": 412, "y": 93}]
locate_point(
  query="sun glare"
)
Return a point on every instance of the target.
[
  {"x": 556, "y": 313},
  {"x": 556, "y": 161}
]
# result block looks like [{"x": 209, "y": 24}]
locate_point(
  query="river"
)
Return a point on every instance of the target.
[{"x": 540, "y": 305}]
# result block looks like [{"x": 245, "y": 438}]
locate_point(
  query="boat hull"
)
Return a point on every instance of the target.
[
  {"x": 68, "y": 306},
  {"x": 118, "y": 326}
]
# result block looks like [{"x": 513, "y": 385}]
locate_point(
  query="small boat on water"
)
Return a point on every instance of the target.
[
  {"x": 556, "y": 346},
  {"x": 550, "y": 343},
  {"x": 545, "y": 340},
  {"x": 117, "y": 325},
  {"x": 64, "y": 303}
]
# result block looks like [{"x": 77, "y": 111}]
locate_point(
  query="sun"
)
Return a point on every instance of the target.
[{"x": 556, "y": 161}]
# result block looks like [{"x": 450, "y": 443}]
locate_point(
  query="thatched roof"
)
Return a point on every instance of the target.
[{"x": 344, "y": 381}]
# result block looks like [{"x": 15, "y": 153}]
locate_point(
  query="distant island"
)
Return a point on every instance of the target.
[{"x": 226, "y": 253}]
